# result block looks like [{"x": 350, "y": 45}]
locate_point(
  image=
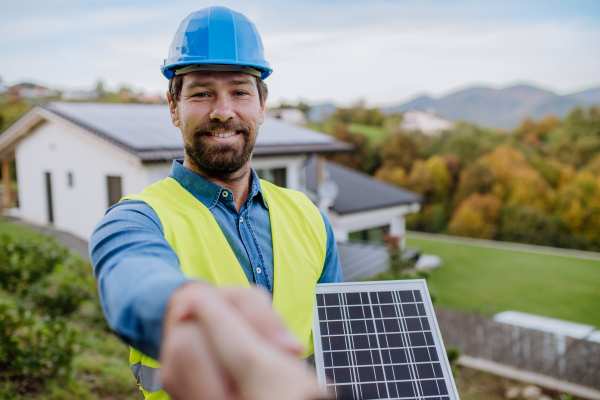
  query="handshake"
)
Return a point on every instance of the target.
[{"x": 228, "y": 344}]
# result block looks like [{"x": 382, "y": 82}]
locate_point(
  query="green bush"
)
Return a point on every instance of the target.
[
  {"x": 522, "y": 224},
  {"x": 25, "y": 261},
  {"x": 33, "y": 348},
  {"x": 453, "y": 354},
  {"x": 65, "y": 289}
]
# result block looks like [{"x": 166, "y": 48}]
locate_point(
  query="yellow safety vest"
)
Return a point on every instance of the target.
[{"x": 299, "y": 246}]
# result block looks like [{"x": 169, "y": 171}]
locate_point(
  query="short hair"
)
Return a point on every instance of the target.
[{"x": 176, "y": 83}]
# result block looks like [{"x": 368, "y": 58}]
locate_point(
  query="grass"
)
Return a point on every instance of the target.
[
  {"x": 494, "y": 280},
  {"x": 6, "y": 228},
  {"x": 371, "y": 132}
]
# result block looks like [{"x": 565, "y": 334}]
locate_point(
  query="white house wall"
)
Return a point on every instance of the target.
[
  {"x": 344, "y": 224},
  {"x": 59, "y": 149},
  {"x": 294, "y": 165}
]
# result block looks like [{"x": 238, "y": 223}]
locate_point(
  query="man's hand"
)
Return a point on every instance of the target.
[{"x": 229, "y": 344}]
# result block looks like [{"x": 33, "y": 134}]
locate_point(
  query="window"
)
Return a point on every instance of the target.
[
  {"x": 70, "y": 179},
  {"x": 276, "y": 176},
  {"x": 113, "y": 184}
]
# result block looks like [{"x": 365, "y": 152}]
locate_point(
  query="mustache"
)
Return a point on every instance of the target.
[{"x": 229, "y": 126}]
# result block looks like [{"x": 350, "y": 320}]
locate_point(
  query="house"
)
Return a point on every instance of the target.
[
  {"x": 290, "y": 115},
  {"x": 426, "y": 122},
  {"x": 74, "y": 160},
  {"x": 32, "y": 91}
]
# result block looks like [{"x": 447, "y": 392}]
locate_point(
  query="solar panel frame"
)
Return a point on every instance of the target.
[{"x": 366, "y": 340}]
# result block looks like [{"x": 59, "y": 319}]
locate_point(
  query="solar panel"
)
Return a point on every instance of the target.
[{"x": 380, "y": 340}]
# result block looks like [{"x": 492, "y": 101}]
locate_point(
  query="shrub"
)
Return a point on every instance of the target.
[
  {"x": 524, "y": 224},
  {"x": 33, "y": 348},
  {"x": 62, "y": 292},
  {"x": 25, "y": 261},
  {"x": 453, "y": 354}
]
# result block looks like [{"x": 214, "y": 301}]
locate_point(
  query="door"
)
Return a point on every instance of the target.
[{"x": 49, "y": 198}]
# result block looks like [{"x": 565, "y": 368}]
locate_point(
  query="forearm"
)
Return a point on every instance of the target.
[{"x": 137, "y": 271}]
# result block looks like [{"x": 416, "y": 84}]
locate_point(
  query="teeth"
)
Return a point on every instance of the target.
[{"x": 222, "y": 135}]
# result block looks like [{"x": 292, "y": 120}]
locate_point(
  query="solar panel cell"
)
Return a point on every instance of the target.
[
  {"x": 405, "y": 389},
  {"x": 406, "y": 296},
  {"x": 429, "y": 388},
  {"x": 338, "y": 342},
  {"x": 433, "y": 354},
  {"x": 335, "y": 328},
  {"x": 417, "y": 339},
  {"x": 391, "y": 325},
  {"x": 385, "y": 297},
  {"x": 417, "y": 294},
  {"x": 333, "y": 313},
  {"x": 340, "y": 359},
  {"x": 332, "y": 299},
  {"x": 412, "y": 324},
  {"x": 353, "y": 298},
  {"x": 437, "y": 370},
  {"x": 409, "y": 310},
  {"x": 355, "y": 312},
  {"x": 342, "y": 375},
  {"x": 388, "y": 311},
  {"x": 369, "y": 391},
  {"x": 398, "y": 356},
  {"x": 425, "y": 371}
]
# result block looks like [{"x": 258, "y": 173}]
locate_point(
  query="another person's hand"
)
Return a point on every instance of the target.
[{"x": 229, "y": 344}]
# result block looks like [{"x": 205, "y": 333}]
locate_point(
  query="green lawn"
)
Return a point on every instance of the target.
[
  {"x": 372, "y": 132},
  {"x": 493, "y": 280}
]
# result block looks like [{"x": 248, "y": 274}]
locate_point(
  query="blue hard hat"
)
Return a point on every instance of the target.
[{"x": 217, "y": 36}]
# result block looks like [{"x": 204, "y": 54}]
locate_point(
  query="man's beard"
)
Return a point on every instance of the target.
[{"x": 218, "y": 159}]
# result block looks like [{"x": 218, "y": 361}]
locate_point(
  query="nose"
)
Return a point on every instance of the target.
[{"x": 222, "y": 109}]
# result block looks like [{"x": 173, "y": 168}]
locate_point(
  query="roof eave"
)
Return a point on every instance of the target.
[{"x": 363, "y": 209}]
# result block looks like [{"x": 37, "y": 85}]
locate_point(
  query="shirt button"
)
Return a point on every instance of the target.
[
  {"x": 225, "y": 194},
  {"x": 241, "y": 219},
  {"x": 258, "y": 270}
]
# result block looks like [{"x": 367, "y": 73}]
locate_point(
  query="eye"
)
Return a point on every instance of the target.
[
  {"x": 240, "y": 93},
  {"x": 200, "y": 94}
]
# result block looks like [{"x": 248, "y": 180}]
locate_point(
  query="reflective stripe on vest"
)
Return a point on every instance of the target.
[{"x": 299, "y": 246}]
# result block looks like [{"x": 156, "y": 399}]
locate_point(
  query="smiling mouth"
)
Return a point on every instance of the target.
[{"x": 222, "y": 135}]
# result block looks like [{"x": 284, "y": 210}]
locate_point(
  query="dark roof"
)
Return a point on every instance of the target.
[
  {"x": 358, "y": 191},
  {"x": 146, "y": 131}
]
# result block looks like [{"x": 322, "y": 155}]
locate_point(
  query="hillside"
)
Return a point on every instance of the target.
[{"x": 500, "y": 107}]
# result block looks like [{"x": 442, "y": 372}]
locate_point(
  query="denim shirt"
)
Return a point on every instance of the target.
[{"x": 137, "y": 270}]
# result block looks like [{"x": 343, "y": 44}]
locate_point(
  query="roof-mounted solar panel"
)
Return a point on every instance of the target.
[{"x": 380, "y": 340}]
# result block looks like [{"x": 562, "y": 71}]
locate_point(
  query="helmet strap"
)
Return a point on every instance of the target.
[{"x": 218, "y": 67}]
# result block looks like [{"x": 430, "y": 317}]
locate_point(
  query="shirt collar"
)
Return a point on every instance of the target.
[{"x": 207, "y": 192}]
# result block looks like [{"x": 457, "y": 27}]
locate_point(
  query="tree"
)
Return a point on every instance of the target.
[
  {"x": 399, "y": 151},
  {"x": 477, "y": 178},
  {"x": 477, "y": 217},
  {"x": 354, "y": 158},
  {"x": 523, "y": 224}
]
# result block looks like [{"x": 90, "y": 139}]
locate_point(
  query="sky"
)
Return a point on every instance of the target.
[{"x": 382, "y": 52}]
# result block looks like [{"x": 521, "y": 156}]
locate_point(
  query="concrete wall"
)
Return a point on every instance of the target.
[{"x": 550, "y": 354}]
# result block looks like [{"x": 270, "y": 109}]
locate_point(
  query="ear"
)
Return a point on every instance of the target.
[
  {"x": 261, "y": 113},
  {"x": 173, "y": 110}
]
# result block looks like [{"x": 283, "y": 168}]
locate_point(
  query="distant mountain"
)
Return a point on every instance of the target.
[
  {"x": 320, "y": 112},
  {"x": 504, "y": 108}
]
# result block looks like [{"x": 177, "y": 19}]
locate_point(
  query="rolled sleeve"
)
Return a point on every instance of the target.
[{"x": 137, "y": 271}]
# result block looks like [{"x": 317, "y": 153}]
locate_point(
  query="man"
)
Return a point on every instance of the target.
[{"x": 212, "y": 222}]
